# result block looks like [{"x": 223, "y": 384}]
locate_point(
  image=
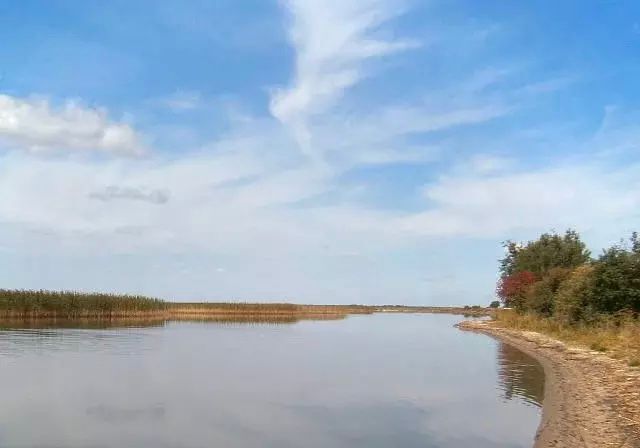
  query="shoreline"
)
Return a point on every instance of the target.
[
  {"x": 220, "y": 310},
  {"x": 590, "y": 400}
]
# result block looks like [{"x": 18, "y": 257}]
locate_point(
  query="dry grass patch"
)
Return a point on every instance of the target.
[{"x": 618, "y": 336}]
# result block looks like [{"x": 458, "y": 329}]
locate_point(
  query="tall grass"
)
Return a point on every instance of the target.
[
  {"x": 617, "y": 335},
  {"x": 266, "y": 308},
  {"x": 28, "y": 304},
  {"x": 70, "y": 304}
]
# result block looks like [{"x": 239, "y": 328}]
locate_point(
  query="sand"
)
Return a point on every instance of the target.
[{"x": 590, "y": 400}]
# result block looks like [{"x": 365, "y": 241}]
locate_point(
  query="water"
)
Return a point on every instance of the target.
[{"x": 386, "y": 380}]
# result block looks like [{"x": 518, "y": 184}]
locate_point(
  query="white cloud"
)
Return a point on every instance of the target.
[
  {"x": 114, "y": 192},
  {"x": 487, "y": 164},
  {"x": 333, "y": 40},
  {"x": 498, "y": 205},
  {"x": 181, "y": 101},
  {"x": 35, "y": 125},
  {"x": 276, "y": 224},
  {"x": 236, "y": 207}
]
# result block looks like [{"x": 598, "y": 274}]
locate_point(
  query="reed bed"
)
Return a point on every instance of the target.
[
  {"x": 617, "y": 335},
  {"x": 267, "y": 309},
  {"x": 71, "y": 305}
]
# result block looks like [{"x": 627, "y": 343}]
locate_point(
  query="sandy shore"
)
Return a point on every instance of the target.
[{"x": 590, "y": 399}]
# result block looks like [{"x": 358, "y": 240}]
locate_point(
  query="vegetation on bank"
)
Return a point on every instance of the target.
[
  {"x": 265, "y": 308},
  {"x": 555, "y": 286},
  {"x": 26, "y": 304},
  {"x": 29, "y": 304},
  {"x": 69, "y": 304}
]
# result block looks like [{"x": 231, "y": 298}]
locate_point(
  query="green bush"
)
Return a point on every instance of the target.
[
  {"x": 573, "y": 301},
  {"x": 554, "y": 276},
  {"x": 617, "y": 279},
  {"x": 540, "y": 297}
]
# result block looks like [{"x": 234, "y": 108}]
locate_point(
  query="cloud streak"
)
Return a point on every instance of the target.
[
  {"x": 333, "y": 42},
  {"x": 114, "y": 192}
]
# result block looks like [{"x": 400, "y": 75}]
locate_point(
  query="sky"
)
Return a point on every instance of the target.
[{"x": 314, "y": 151}]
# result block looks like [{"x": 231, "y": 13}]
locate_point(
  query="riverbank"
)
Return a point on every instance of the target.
[
  {"x": 590, "y": 400},
  {"x": 31, "y": 305}
]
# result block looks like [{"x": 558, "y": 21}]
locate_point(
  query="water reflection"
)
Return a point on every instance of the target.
[
  {"x": 142, "y": 322},
  {"x": 520, "y": 375},
  {"x": 87, "y": 324},
  {"x": 366, "y": 381},
  {"x": 113, "y": 414}
]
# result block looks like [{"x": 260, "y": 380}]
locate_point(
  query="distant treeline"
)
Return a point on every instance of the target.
[{"x": 556, "y": 276}]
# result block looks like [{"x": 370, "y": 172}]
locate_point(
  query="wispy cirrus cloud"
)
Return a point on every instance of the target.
[
  {"x": 181, "y": 101},
  {"x": 333, "y": 42},
  {"x": 490, "y": 204},
  {"x": 35, "y": 125}
]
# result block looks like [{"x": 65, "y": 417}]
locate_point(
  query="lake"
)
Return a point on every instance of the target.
[{"x": 383, "y": 380}]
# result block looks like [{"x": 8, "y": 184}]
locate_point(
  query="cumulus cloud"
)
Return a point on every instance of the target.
[
  {"x": 36, "y": 125},
  {"x": 333, "y": 42}
]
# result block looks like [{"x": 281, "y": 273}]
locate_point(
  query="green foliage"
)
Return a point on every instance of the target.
[
  {"x": 574, "y": 298},
  {"x": 540, "y": 296},
  {"x": 495, "y": 304},
  {"x": 617, "y": 278},
  {"x": 554, "y": 276},
  {"x": 547, "y": 252}
]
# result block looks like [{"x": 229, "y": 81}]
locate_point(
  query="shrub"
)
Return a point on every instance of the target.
[
  {"x": 541, "y": 296},
  {"x": 617, "y": 279},
  {"x": 512, "y": 289},
  {"x": 495, "y": 304},
  {"x": 575, "y": 295}
]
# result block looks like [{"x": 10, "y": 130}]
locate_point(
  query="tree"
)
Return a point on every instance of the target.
[
  {"x": 617, "y": 278},
  {"x": 635, "y": 243},
  {"x": 575, "y": 295},
  {"x": 547, "y": 252},
  {"x": 512, "y": 288},
  {"x": 541, "y": 296},
  {"x": 508, "y": 263},
  {"x": 495, "y": 304}
]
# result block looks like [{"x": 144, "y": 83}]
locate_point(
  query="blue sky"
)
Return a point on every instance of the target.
[{"x": 370, "y": 151}]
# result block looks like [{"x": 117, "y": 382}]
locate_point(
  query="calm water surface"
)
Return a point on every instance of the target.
[{"x": 385, "y": 380}]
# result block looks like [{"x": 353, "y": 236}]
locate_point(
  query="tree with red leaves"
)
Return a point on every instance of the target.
[{"x": 512, "y": 288}]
